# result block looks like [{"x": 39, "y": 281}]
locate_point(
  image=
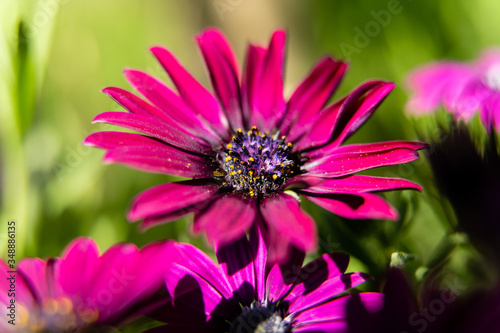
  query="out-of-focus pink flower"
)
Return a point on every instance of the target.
[
  {"x": 463, "y": 89},
  {"x": 242, "y": 295},
  {"x": 247, "y": 149},
  {"x": 82, "y": 291}
]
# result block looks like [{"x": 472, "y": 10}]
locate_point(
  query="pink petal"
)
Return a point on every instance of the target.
[
  {"x": 226, "y": 219},
  {"x": 435, "y": 84},
  {"x": 321, "y": 130},
  {"x": 269, "y": 103},
  {"x": 250, "y": 82},
  {"x": 25, "y": 294},
  {"x": 164, "y": 159},
  {"x": 311, "y": 96},
  {"x": 328, "y": 290},
  {"x": 281, "y": 276},
  {"x": 81, "y": 255},
  {"x": 354, "y": 205},
  {"x": 336, "y": 310},
  {"x": 361, "y": 183},
  {"x": 192, "y": 92},
  {"x": 284, "y": 214},
  {"x": 329, "y": 326},
  {"x": 353, "y": 158},
  {"x": 201, "y": 264},
  {"x": 191, "y": 291},
  {"x": 236, "y": 261},
  {"x": 490, "y": 112},
  {"x": 110, "y": 140},
  {"x": 259, "y": 252},
  {"x": 223, "y": 69},
  {"x": 171, "y": 105},
  {"x": 155, "y": 128},
  {"x": 37, "y": 280},
  {"x": 167, "y": 198},
  {"x": 135, "y": 104},
  {"x": 357, "y": 107},
  {"x": 328, "y": 266}
]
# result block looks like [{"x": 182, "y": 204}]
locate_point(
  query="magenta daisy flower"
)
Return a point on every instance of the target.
[
  {"x": 247, "y": 150},
  {"x": 82, "y": 291},
  {"x": 463, "y": 89},
  {"x": 240, "y": 295}
]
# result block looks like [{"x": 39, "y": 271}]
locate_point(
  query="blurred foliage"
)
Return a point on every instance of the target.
[{"x": 56, "y": 55}]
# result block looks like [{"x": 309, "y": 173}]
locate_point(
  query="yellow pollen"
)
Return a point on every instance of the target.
[
  {"x": 229, "y": 158},
  {"x": 218, "y": 173},
  {"x": 289, "y": 144},
  {"x": 229, "y": 146},
  {"x": 231, "y": 166},
  {"x": 233, "y": 138},
  {"x": 250, "y": 173},
  {"x": 275, "y": 176},
  {"x": 189, "y": 163},
  {"x": 239, "y": 130},
  {"x": 251, "y": 159},
  {"x": 239, "y": 171}
]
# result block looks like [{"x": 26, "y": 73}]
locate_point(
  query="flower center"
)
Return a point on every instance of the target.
[
  {"x": 259, "y": 318},
  {"x": 256, "y": 163},
  {"x": 492, "y": 77}
]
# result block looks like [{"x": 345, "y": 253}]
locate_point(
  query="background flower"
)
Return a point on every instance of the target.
[
  {"x": 463, "y": 89},
  {"x": 83, "y": 290},
  {"x": 247, "y": 146}
]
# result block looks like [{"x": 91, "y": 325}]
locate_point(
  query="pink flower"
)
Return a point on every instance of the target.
[
  {"x": 463, "y": 89},
  {"x": 82, "y": 290},
  {"x": 241, "y": 295},
  {"x": 248, "y": 151}
]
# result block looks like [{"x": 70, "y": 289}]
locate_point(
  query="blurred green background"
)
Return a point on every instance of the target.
[{"x": 56, "y": 56}]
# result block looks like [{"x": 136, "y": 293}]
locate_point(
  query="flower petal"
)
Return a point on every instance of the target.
[
  {"x": 354, "y": 205},
  {"x": 223, "y": 69},
  {"x": 237, "y": 262},
  {"x": 202, "y": 265},
  {"x": 357, "y": 107},
  {"x": 282, "y": 275},
  {"x": 226, "y": 219},
  {"x": 164, "y": 159},
  {"x": 81, "y": 255},
  {"x": 269, "y": 103},
  {"x": 284, "y": 214},
  {"x": 361, "y": 183},
  {"x": 192, "y": 92},
  {"x": 250, "y": 82},
  {"x": 327, "y": 290},
  {"x": 349, "y": 159},
  {"x": 135, "y": 104},
  {"x": 321, "y": 130},
  {"x": 326, "y": 267},
  {"x": 110, "y": 140},
  {"x": 171, "y": 197},
  {"x": 155, "y": 128},
  {"x": 170, "y": 104},
  {"x": 311, "y": 96},
  {"x": 438, "y": 83},
  {"x": 338, "y": 310}
]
